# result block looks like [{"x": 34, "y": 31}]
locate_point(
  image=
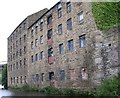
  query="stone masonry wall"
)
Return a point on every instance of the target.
[{"x": 106, "y": 54}]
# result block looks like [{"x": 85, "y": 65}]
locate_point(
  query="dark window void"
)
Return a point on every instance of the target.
[
  {"x": 49, "y": 34},
  {"x": 51, "y": 76}
]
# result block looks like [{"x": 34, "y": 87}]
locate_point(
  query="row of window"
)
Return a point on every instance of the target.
[
  {"x": 82, "y": 42},
  {"x": 18, "y": 53},
  {"x": 12, "y": 47},
  {"x": 11, "y": 39},
  {"x": 73, "y": 75},
  {"x": 37, "y": 41},
  {"x": 21, "y": 79},
  {"x": 69, "y": 25},
  {"x": 38, "y": 56},
  {"x": 18, "y": 65},
  {"x": 59, "y": 8},
  {"x": 49, "y": 18}
]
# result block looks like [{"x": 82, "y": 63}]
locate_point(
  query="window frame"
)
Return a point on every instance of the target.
[
  {"x": 41, "y": 55},
  {"x": 71, "y": 45},
  {"x": 68, "y": 7},
  {"x": 61, "y": 48},
  {"x": 80, "y": 17},
  {"x": 69, "y": 24},
  {"x": 49, "y": 34},
  {"x": 36, "y": 57},
  {"x": 60, "y": 29},
  {"x": 82, "y": 41}
]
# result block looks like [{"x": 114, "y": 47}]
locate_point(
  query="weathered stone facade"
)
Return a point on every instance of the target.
[
  {"x": 18, "y": 51},
  {"x": 65, "y": 49}
]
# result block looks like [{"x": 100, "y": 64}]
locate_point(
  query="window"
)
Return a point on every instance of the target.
[
  {"x": 59, "y": 13},
  {"x": 62, "y": 75},
  {"x": 41, "y": 24},
  {"x": 60, "y": 29},
  {"x": 16, "y": 44},
  {"x": 41, "y": 55},
  {"x": 16, "y": 33},
  {"x": 16, "y": 65},
  {"x": 11, "y": 57},
  {"x": 61, "y": 48},
  {"x": 82, "y": 41},
  {"x": 36, "y": 42},
  {"x": 32, "y": 58},
  {"x": 20, "y": 79},
  {"x": 25, "y": 79},
  {"x": 41, "y": 39},
  {"x": 69, "y": 24},
  {"x": 16, "y": 54},
  {"x": 11, "y": 80},
  {"x": 51, "y": 76},
  {"x": 70, "y": 45},
  {"x": 84, "y": 74},
  {"x": 59, "y": 6},
  {"x": 68, "y": 5},
  {"x": 11, "y": 48},
  {"x": 24, "y": 49},
  {"x": 73, "y": 75},
  {"x": 24, "y": 37},
  {"x": 49, "y": 20},
  {"x": 36, "y": 28},
  {"x": 80, "y": 17},
  {"x": 11, "y": 67},
  {"x": 20, "y": 52},
  {"x": 50, "y": 52},
  {"x": 36, "y": 57},
  {"x": 24, "y": 61},
  {"x": 14, "y": 79},
  {"x": 32, "y": 45},
  {"x": 32, "y": 32},
  {"x": 37, "y": 77},
  {"x": 42, "y": 77},
  {"x": 20, "y": 41},
  {"x": 20, "y": 63},
  {"x": 17, "y": 80},
  {"x": 49, "y": 34}
]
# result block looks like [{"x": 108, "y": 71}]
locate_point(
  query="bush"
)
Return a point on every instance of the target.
[
  {"x": 109, "y": 87},
  {"x": 49, "y": 90}
]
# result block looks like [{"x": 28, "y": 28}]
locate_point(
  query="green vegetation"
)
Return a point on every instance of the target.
[
  {"x": 4, "y": 76},
  {"x": 106, "y": 14},
  {"x": 109, "y": 87},
  {"x": 25, "y": 88}
]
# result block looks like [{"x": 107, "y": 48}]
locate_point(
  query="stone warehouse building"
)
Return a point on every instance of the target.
[{"x": 62, "y": 47}]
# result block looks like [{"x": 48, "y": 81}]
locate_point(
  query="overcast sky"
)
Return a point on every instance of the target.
[{"x": 12, "y": 12}]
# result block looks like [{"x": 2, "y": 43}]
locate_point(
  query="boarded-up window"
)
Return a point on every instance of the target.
[
  {"x": 84, "y": 73},
  {"x": 73, "y": 75}
]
